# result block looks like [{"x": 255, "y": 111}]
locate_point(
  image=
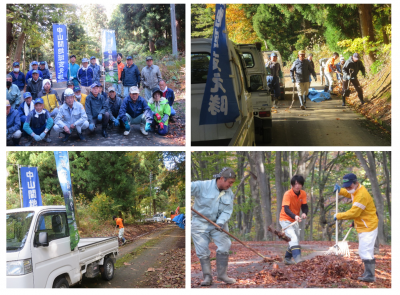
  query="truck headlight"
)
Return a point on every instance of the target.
[{"x": 19, "y": 267}]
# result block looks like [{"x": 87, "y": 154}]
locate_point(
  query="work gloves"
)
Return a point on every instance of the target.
[
  {"x": 161, "y": 125},
  {"x": 91, "y": 127},
  {"x": 148, "y": 127},
  {"x": 42, "y": 135},
  {"x": 334, "y": 217},
  {"x": 37, "y": 137},
  {"x": 127, "y": 126},
  {"x": 221, "y": 226},
  {"x": 157, "y": 115},
  {"x": 336, "y": 188},
  {"x": 100, "y": 117},
  {"x": 116, "y": 122}
]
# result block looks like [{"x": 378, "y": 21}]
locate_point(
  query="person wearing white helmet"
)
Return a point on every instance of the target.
[{"x": 71, "y": 116}]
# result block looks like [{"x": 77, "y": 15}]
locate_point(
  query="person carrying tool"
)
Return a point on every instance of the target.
[
  {"x": 120, "y": 225},
  {"x": 350, "y": 70},
  {"x": 302, "y": 68},
  {"x": 213, "y": 199},
  {"x": 330, "y": 68},
  {"x": 293, "y": 200},
  {"x": 365, "y": 217}
]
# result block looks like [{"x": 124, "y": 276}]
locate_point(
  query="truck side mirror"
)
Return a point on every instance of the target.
[{"x": 43, "y": 239}]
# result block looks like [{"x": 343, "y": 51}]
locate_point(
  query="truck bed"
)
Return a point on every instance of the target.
[{"x": 92, "y": 249}]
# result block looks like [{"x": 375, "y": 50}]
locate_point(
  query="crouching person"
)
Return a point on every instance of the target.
[
  {"x": 13, "y": 125},
  {"x": 134, "y": 110},
  {"x": 38, "y": 123},
  {"x": 71, "y": 116},
  {"x": 114, "y": 104},
  {"x": 161, "y": 110},
  {"x": 96, "y": 106}
]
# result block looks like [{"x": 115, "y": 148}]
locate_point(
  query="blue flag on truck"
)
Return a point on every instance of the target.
[
  {"x": 30, "y": 187},
  {"x": 109, "y": 48},
  {"x": 60, "y": 39},
  {"x": 64, "y": 176},
  {"x": 219, "y": 101}
]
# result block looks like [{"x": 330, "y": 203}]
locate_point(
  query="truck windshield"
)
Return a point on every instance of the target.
[{"x": 18, "y": 225}]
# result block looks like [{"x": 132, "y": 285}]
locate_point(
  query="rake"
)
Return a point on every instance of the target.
[{"x": 342, "y": 248}]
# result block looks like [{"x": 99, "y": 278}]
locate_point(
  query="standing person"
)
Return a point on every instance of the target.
[
  {"x": 96, "y": 69},
  {"x": 322, "y": 63},
  {"x": 85, "y": 76},
  {"x": 339, "y": 68},
  {"x": 18, "y": 77},
  {"x": 274, "y": 70},
  {"x": 96, "y": 106},
  {"x": 50, "y": 98},
  {"x": 45, "y": 72},
  {"x": 130, "y": 75},
  {"x": 13, "y": 125},
  {"x": 161, "y": 110},
  {"x": 120, "y": 225},
  {"x": 79, "y": 96},
  {"x": 38, "y": 123},
  {"x": 169, "y": 94},
  {"x": 13, "y": 93},
  {"x": 293, "y": 200},
  {"x": 302, "y": 68},
  {"x": 71, "y": 116},
  {"x": 34, "y": 85},
  {"x": 135, "y": 110},
  {"x": 114, "y": 105},
  {"x": 151, "y": 76},
  {"x": 25, "y": 107},
  {"x": 73, "y": 68},
  {"x": 118, "y": 85},
  {"x": 330, "y": 68},
  {"x": 29, "y": 75},
  {"x": 310, "y": 57},
  {"x": 364, "y": 214},
  {"x": 350, "y": 70},
  {"x": 213, "y": 199}
]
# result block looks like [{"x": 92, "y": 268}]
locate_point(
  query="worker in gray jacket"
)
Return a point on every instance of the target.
[
  {"x": 71, "y": 116},
  {"x": 213, "y": 199},
  {"x": 151, "y": 76},
  {"x": 350, "y": 70}
]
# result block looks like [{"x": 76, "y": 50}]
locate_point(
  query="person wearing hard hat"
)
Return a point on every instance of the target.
[
  {"x": 301, "y": 70},
  {"x": 293, "y": 201},
  {"x": 350, "y": 70},
  {"x": 330, "y": 68},
  {"x": 214, "y": 199},
  {"x": 13, "y": 124},
  {"x": 364, "y": 214}
]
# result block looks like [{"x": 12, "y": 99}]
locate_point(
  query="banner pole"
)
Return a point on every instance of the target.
[{"x": 19, "y": 180}]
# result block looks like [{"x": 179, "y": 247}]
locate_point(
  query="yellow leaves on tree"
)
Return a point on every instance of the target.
[{"x": 240, "y": 27}]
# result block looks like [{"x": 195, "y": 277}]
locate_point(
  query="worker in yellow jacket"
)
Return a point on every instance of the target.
[
  {"x": 365, "y": 217},
  {"x": 50, "y": 98}
]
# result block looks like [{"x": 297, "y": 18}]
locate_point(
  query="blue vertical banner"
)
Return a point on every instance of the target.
[
  {"x": 109, "y": 48},
  {"x": 30, "y": 187},
  {"x": 60, "y": 39},
  {"x": 64, "y": 176},
  {"x": 219, "y": 101}
]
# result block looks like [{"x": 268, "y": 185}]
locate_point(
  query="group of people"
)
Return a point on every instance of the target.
[
  {"x": 41, "y": 109},
  {"x": 214, "y": 199},
  {"x": 303, "y": 68}
]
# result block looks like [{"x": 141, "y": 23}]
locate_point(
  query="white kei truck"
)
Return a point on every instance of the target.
[{"x": 39, "y": 254}]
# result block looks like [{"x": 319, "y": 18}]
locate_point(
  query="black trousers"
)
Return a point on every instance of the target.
[{"x": 356, "y": 85}]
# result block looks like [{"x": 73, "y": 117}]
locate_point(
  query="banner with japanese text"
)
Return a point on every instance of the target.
[
  {"x": 30, "y": 187},
  {"x": 60, "y": 39},
  {"x": 64, "y": 176},
  {"x": 219, "y": 101},
  {"x": 109, "y": 48}
]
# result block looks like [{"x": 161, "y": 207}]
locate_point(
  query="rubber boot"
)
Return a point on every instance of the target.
[
  {"x": 29, "y": 142},
  {"x": 288, "y": 257},
  {"x": 81, "y": 137},
  {"x": 104, "y": 132},
  {"x": 16, "y": 141},
  {"x": 207, "y": 272},
  {"x": 305, "y": 100},
  {"x": 222, "y": 266},
  {"x": 326, "y": 88},
  {"x": 47, "y": 137},
  {"x": 343, "y": 100},
  {"x": 369, "y": 266},
  {"x": 65, "y": 139},
  {"x": 301, "y": 102},
  {"x": 296, "y": 252},
  {"x": 361, "y": 100},
  {"x": 365, "y": 272}
]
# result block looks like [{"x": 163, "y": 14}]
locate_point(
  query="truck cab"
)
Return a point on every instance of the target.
[{"x": 240, "y": 132}]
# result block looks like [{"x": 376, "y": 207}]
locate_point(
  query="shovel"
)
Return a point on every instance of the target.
[{"x": 266, "y": 259}]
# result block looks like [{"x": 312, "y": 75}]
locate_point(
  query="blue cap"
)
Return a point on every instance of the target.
[
  {"x": 15, "y": 64},
  {"x": 42, "y": 63},
  {"x": 85, "y": 59},
  {"x": 77, "y": 88},
  {"x": 93, "y": 85},
  {"x": 34, "y": 63},
  {"x": 129, "y": 57},
  {"x": 27, "y": 94},
  {"x": 348, "y": 179},
  {"x": 35, "y": 72},
  {"x": 273, "y": 54},
  {"x": 92, "y": 57},
  {"x": 39, "y": 100},
  {"x": 98, "y": 84}
]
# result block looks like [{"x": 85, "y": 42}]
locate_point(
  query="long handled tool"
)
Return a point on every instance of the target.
[
  {"x": 342, "y": 247},
  {"x": 266, "y": 259},
  {"x": 281, "y": 234},
  {"x": 292, "y": 96}
]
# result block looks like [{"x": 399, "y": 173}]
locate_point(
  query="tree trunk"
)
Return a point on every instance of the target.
[
  {"x": 240, "y": 173},
  {"x": 371, "y": 174},
  {"x": 154, "y": 206},
  {"x": 367, "y": 30},
  {"x": 18, "y": 50},
  {"x": 10, "y": 39},
  {"x": 278, "y": 187},
  {"x": 388, "y": 181},
  {"x": 152, "y": 47},
  {"x": 286, "y": 174},
  {"x": 310, "y": 212}
]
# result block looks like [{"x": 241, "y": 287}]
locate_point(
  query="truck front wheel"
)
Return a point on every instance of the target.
[
  {"x": 61, "y": 282},
  {"x": 107, "y": 269}
]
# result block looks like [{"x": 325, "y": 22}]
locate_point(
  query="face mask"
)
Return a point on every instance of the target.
[
  {"x": 351, "y": 191},
  {"x": 16, "y": 70},
  {"x": 78, "y": 96},
  {"x": 8, "y": 84}
]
